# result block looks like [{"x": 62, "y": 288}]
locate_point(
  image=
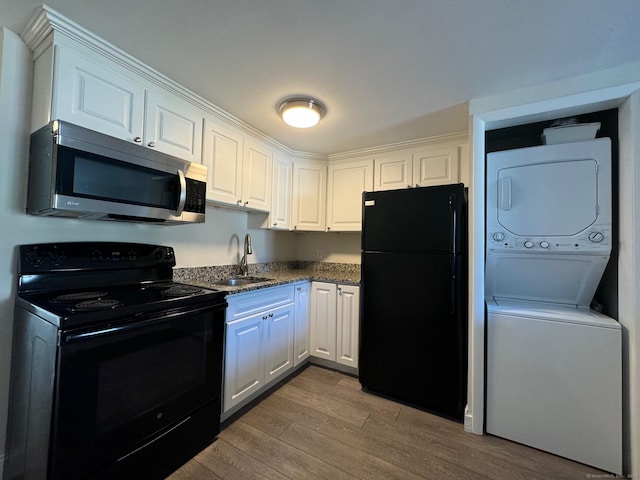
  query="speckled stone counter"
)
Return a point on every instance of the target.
[{"x": 275, "y": 273}]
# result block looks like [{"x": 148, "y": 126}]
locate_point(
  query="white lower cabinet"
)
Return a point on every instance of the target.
[
  {"x": 334, "y": 322},
  {"x": 301, "y": 323},
  {"x": 266, "y": 335}
]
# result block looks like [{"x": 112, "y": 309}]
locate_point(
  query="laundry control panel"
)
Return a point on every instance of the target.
[{"x": 594, "y": 240}]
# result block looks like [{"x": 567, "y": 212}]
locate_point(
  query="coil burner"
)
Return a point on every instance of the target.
[
  {"x": 97, "y": 304},
  {"x": 180, "y": 290}
]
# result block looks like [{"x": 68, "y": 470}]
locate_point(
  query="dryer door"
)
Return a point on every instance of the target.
[{"x": 548, "y": 199}]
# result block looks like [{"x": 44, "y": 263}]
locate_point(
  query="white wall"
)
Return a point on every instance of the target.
[
  {"x": 343, "y": 247},
  {"x": 217, "y": 242}
]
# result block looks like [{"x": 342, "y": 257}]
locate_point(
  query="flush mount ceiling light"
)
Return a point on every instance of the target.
[{"x": 301, "y": 112}]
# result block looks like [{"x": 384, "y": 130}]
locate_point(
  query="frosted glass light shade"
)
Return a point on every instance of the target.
[{"x": 301, "y": 112}]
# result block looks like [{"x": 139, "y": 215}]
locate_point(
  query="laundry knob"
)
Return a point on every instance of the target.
[
  {"x": 498, "y": 236},
  {"x": 596, "y": 237},
  {"x": 544, "y": 244},
  {"x": 528, "y": 244}
]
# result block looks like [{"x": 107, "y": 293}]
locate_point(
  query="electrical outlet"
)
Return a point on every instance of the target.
[{"x": 319, "y": 254}]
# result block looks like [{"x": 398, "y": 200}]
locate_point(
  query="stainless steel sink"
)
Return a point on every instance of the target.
[{"x": 237, "y": 281}]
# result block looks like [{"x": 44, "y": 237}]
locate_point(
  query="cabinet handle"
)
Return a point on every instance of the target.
[
  {"x": 264, "y": 317},
  {"x": 328, "y": 229},
  {"x": 275, "y": 224},
  {"x": 138, "y": 139},
  {"x": 299, "y": 288},
  {"x": 408, "y": 186},
  {"x": 417, "y": 185},
  {"x": 151, "y": 144},
  {"x": 270, "y": 315},
  {"x": 247, "y": 202}
]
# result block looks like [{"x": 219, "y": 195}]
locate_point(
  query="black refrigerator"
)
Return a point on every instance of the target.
[{"x": 413, "y": 318}]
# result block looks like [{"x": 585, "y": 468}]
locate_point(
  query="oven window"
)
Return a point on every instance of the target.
[
  {"x": 93, "y": 176},
  {"x": 138, "y": 382}
]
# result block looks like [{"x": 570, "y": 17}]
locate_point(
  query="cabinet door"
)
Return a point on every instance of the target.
[
  {"x": 301, "y": 327},
  {"x": 323, "y": 320},
  {"x": 309, "y": 196},
  {"x": 280, "y": 218},
  {"x": 393, "y": 172},
  {"x": 222, "y": 155},
  {"x": 278, "y": 341},
  {"x": 348, "y": 325},
  {"x": 436, "y": 166},
  {"x": 346, "y": 183},
  {"x": 96, "y": 96},
  {"x": 256, "y": 175},
  {"x": 244, "y": 359},
  {"x": 173, "y": 126}
]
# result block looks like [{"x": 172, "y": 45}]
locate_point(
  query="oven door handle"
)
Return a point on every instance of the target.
[{"x": 103, "y": 332}]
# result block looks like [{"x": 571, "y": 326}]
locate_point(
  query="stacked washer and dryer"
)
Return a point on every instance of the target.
[{"x": 554, "y": 365}]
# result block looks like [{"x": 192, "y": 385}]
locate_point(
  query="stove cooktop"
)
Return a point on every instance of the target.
[{"x": 95, "y": 305}]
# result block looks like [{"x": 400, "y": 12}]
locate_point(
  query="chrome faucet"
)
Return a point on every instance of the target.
[{"x": 244, "y": 266}]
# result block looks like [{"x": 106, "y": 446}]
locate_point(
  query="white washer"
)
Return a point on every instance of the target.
[{"x": 554, "y": 378}]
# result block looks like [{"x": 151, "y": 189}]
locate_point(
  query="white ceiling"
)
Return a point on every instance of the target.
[{"x": 387, "y": 71}]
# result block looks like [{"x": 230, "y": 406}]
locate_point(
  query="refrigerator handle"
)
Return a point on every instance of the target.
[
  {"x": 452, "y": 210},
  {"x": 452, "y": 276},
  {"x": 452, "y": 280}
]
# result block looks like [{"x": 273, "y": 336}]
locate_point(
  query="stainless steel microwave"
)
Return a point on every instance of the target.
[{"x": 79, "y": 173}]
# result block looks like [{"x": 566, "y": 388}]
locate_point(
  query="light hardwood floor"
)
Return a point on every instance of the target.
[{"x": 320, "y": 425}]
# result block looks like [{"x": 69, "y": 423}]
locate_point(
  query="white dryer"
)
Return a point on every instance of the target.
[
  {"x": 553, "y": 365},
  {"x": 548, "y": 221}
]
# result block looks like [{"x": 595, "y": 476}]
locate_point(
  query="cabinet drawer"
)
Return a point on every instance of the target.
[{"x": 249, "y": 303}]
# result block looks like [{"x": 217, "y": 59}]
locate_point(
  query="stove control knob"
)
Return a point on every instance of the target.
[
  {"x": 498, "y": 236},
  {"x": 596, "y": 237},
  {"x": 528, "y": 244},
  {"x": 544, "y": 244}
]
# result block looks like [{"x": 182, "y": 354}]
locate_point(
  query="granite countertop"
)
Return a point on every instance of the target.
[{"x": 274, "y": 275}]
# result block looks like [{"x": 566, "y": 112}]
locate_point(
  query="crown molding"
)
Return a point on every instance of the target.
[
  {"x": 48, "y": 26},
  {"x": 450, "y": 138}
]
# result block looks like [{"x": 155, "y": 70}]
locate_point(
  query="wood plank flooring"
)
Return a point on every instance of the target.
[{"x": 320, "y": 425}]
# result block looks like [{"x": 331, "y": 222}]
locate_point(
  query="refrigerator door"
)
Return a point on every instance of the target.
[
  {"x": 413, "y": 330},
  {"x": 427, "y": 219}
]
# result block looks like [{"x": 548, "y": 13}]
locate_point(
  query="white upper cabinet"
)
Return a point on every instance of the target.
[
  {"x": 239, "y": 167},
  {"x": 222, "y": 151},
  {"x": 346, "y": 183},
  {"x": 280, "y": 217},
  {"x": 95, "y": 93},
  {"x": 308, "y": 205},
  {"x": 393, "y": 171},
  {"x": 173, "y": 126},
  {"x": 436, "y": 166},
  {"x": 88, "y": 93},
  {"x": 256, "y": 175}
]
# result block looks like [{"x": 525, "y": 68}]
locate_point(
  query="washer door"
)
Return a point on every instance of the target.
[{"x": 548, "y": 199}]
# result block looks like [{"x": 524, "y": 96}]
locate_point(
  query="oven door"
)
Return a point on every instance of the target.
[{"x": 120, "y": 387}]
